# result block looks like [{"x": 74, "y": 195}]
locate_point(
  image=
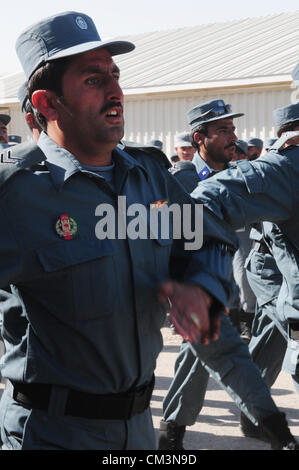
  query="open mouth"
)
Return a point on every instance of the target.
[{"x": 114, "y": 114}]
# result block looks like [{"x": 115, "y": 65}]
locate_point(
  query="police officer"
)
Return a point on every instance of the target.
[
  {"x": 265, "y": 189},
  {"x": 183, "y": 146},
  {"x": 268, "y": 144},
  {"x": 80, "y": 357},
  {"x": 228, "y": 359},
  {"x": 241, "y": 149},
  {"x": 255, "y": 147},
  {"x": 4, "y": 120},
  {"x": 272, "y": 346},
  {"x": 14, "y": 139},
  {"x": 156, "y": 143}
]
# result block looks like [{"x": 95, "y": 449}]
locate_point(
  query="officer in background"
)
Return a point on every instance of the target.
[
  {"x": 183, "y": 146},
  {"x": 174, "y": 158},
  {"x": 241, "y": 149},
  {"x": 104, "y": 298},
  {"x": 14, "y": 139},
  {"x": 268, "y": 144},
  {"x": 228, "y": 359},
  {"x": 243, "y": 307},
  {"x": 255, "y": 147},
  {"x": 272, "y": 346},
  {"x": 265, "y": 189},
  {"x": 155, "y": 143},
  {"x": 4, "y": 120}
]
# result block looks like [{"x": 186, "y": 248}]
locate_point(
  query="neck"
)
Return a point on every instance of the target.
[
  {"x": 87, "y": 153},
  {"x": 215, "y": 165}
]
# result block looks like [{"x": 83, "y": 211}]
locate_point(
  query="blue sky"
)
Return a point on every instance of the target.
[{"x": 121, "y": 17}]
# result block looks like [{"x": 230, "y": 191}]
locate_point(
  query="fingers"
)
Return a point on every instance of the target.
[
  {"x": 189, "y": 310},
  {"x": 165, "y": 291},
  {"x": 215, "y": 327}
]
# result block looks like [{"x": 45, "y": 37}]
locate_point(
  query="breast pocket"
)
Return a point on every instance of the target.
[{"x": 84, "y": 271}]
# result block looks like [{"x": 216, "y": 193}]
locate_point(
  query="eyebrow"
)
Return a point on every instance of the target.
[
  {"x": 225, "y": 127},
  {"x": 97, "y": 69}
]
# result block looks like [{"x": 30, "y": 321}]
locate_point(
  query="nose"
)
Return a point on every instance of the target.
[
  {"x": 234, "y": 137},
  {"x": 114, "y": 91}
]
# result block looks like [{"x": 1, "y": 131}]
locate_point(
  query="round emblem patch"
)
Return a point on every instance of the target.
[
  {"x": 81, "y": 22},
  {"x": 66, "y": 227}
]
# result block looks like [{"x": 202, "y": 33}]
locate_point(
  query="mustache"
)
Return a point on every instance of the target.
[
  {"x": 229, "y": 146},
  {"x": 111, "y": 104}
]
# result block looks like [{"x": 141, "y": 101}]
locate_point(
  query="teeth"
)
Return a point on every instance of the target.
[{"x": 112, "y": 113}]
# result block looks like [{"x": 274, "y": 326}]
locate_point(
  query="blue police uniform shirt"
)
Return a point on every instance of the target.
[
  {"x": 90, "y": 318},
  {"x": 248, "y": 192},
  {"x": 204, "y": 171},
  {"x": 265, "y": 189}
]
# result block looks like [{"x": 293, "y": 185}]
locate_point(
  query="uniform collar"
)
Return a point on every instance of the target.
[
  {"x": 203, "y": 169},
  {"x": 62, "y": 164}
]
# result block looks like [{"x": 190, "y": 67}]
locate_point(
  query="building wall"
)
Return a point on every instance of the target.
[{"x": 161, "y": 117}]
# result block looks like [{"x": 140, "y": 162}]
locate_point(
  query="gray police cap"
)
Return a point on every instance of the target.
[
  {"x": 15, "y": 139},
  {"x": 62, "y": 35},
  {"x": 242, "y": 145},
  {"x": 255, "y": 142},
  {"x": 5, "y": 119},
  {"x": 210, "y": 111},
  {"x": 286, "y": 115},
  {"x": 182, "y": 139},
  {"x": 155, "y": 143},
  {"x": 269, "y": 142},
  {"x": 295, "y": 75}
]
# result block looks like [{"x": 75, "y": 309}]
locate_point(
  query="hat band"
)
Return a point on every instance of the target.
[{"x": 219, "y": 110}]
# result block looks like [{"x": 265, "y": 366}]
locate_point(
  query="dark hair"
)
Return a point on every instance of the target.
[
  {"x": 202, "y": 129},
  {"x": 47, "y": 77},
  {"x": 289, "y": 126}
]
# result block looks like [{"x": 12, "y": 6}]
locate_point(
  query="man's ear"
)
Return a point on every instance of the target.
[
  {"x": 198, "y": 137},
  {"x": 45, "y": 101}
]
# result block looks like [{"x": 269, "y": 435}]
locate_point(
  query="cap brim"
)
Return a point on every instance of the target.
[
  {"x": 114, "y": 47},
  {"x": 217, "y": 118},
  {"x": 182, "y": 143}
]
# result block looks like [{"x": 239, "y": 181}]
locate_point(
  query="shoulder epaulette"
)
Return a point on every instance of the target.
[
  {"x": 19, "y": 157},
  {"x": 133, "y": 148},
  {"x": 279, "y": 144}
]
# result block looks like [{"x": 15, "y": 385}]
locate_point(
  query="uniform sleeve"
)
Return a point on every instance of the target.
[
  {"x": 211, "y": 268},
  {"x": 250, "y": 191},
  {"x": 210, "y": 265}
]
